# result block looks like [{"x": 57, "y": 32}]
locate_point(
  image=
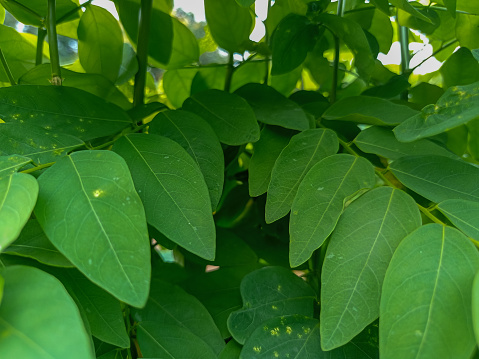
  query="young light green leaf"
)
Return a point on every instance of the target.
[
  {"x": 182, "y": 314},
  {"x": 320, "y": 201},
  {"x": 184, "y": 50},
  {"x": 38, "y": 319},
  {"x": 197, "y": 137},
  {"x": 35, "y": 142},
  {"x": 303, "y": 151},
  {"x": 230, "y": 24},
  {"x": 33, "y": 243},
  {"x": 10, "y": 164},
  {"x": 438, "y": 178},
  {"x": 356, "y": 261},
  {"x": 368, "y": 110},
  {"x": 463, "y": 214},
  {"x": 230, "y": 116},
  {"x": 90, "y": 211},
  {"x": 269, "y": 292},
  {"x": 172, "y": 189},
  {"x": 100, "y": 42},
  {"x": 426, "y": 296},
  {"x": 406, "y": 6},
  {"x": 177, "y": 84},
  {"x": 62, "y": 109},
  {"x": 273, "y": 108},
  {"x": 382, "y": 142},
  {"x": 457, "y": 106},
  {"x": 272, "y": 141},
  {"x": 18, "y": 195}
]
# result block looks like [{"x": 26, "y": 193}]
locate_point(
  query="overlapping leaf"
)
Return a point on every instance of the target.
[
  {"x": 32, "y": 12},
  {"x": 426, "y": 296},
  {"x": 10, "y": 164},
  {"x": 173, "y": 191},
  {"x": 296, "y": 159},
  {"x": 320, "y": 201},
  {"x": 356, "y": 260},
  {"x": 90, "y": 211},
  {"x": 463, "y": 214}
]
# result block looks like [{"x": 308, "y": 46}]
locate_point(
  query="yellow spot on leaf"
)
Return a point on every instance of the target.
[
  {"x": 275, "y": 332},
  {"x": 274, "y": 307},
  {"x": 289, "y": 330},
  {"x": 257, "y": 349},
  {"x": 97, "y": 193},
  {"x": 276, "y": 354}
]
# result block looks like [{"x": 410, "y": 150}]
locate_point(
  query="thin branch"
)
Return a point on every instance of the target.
[
  {"x": 266, "y": 39},
  {"x": 7, "y": 68},
  {"x": 73, "y": 11},
  {"x": 53, "y": 42}
]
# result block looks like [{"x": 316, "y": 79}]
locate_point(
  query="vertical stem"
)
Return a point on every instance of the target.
[
  {"x": 7, "y": 68},
  {"x": 267, "y": 37},
  {"x": 405, "y": 57},
  {"x": 142, "y": 52},
  {"x": 53, "y": 42},
  {"x": 229, "y": 72},
  {"x": 40, "y": 41},
  {"x": 334, "y": 86}
]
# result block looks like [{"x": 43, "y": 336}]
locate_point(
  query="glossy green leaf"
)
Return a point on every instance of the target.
[
  {"x": 10, "y": 164},
  {"x": 406, "y": 6},
  {"x": 230, "y": 24},
  {"x": 33, "y": 243},
  {"x": 353, "y": 36},
  {"x": 90, "y": 211},
  {"x": 199, "y": 140},
  {"x": 271, "y": 142},
  {"x": 184, "y": 317},
  {"x": 463, "y": 214},
  {"x": 273, "y": 108},
  {"x": 475, "y": 306},
  {"x": 173, "y": 191},
  {"x": 461, "y": 68},
  {"x": 232, "y": 350},
  {"x": 467, "y": 30},
  {"x": 230, "y": 116},
  {"x": 177, "y": 85},
  {"x": 426, "y": 296},
  {"x": 438, "y": 178},
  {"x": 267, "y": 293},
  {"x": 62, "y": 109},
  {"x": 35, "y": 142},
  {"x": 368, "y": 110},
  {"x": 100, "y": 42},
  {"x": 457, "y": 106},
  {"x": 293, "y": 38},
  {"x": 33, "y": 12},
  {"x": 18, "y": 195},
  {"x": 38, "y": 319},
  {"x": 95, "y": 84},
  {"x": 356, "y": 261},
  {"x": 303, "y": 151},
  {"x": 320, "y": 201},
  {"x": 382, "y": 142}
]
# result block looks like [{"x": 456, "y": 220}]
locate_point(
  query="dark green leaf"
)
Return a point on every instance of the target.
[
  {"x": 230, "y": 116},
  {"x": 356, "y": 261},
  {"x": 461, "y": 68},
  {"x": 184, "y": 49},
  {"x": 129, "y": 64},
  {"x": 172, "y": 189},
  {"x": 24, "y": 10},
  {"x": 90, "y": 211},
  {"x": 320, "y": 201},
  {"x": 245, "y": 3},
  {"x": 382, "y": 5},
  {"x": 426, "y": 296},
  {"x": 475, "y": 306},
  {"x": 10, "y": 164},
  {"x": 463, "y": 214},
  {"x": 232, "y": 350},
  {"x": 267, "y": 293},
  {"x": 413, "y": 22}
]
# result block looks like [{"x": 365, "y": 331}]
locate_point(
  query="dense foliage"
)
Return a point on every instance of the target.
[{"x": 153, "y": 204}]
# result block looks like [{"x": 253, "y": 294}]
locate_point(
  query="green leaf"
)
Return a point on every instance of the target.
[
  {"x": 475, "y": 306},
  {"x": 182, "y": 317},
  {"x": 382, "y": 142},
  {"x": 35, "y": 142},
  {"x": 467, "y": 30},
  {"x": 232, "y": 350},
  {"x": 129, "y": 64},
  {"x": 320, "y": 201},
  {"x": 426, "y": 296},
  {"x": 10, "y": 164},
  {"x": 357, "y": 258},
  {"x": 458, "y": 105},
  {"x": 463, "y": 214},
  {"x": 18, "y": 194},
  {"x": 461, "y": 68},
  {"x": 197, "y": 137},
  {"x": 172, "y": 189},
  {"x": 438, "y": 178},
  {"x": 353, "y": 36},
  {"x": 267, "y": 293},
  {"x": 451, "y": 6},
  {"x": 230, "y": 116},
  {"x": 38, "y": 319},
  {"x": 273, "y": 108},
  {"x": 303, "y": 151},
  {"x": 25, "y": 10},
  {"x": 33, "y": 243},
  {"x": 245, "y": 3},
  {"x": 62, "y": 109},
  {"x": 406, "y": 6},
  {"x": 271, "y": 142},
  {"x": 90, "y": 211},
  {"x": 230, "y": 24},
  {"x": 368, "y": 110},
  {"x": 95, "y": 84},
  {"x": 293, "y": 38},
  {"x": 177, "y": 85},
  {"x": 100, "y": 42},
  {"x": 184, "y": 50},
  {"x": 382, "y": 5}
]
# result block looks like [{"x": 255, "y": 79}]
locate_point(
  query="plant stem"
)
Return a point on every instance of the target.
[
  {"x": 53, "y": 42},
  {"x": 7, "y": 68},
  {"x": 142, "y": 52},
  {"x": 443, "y": 47},
  {"x": 40, "y": 41},
  {"x": 337, "y": 45},
  {"x": 39, "y": 167},
  {"x": 405, "y": 57},
  {"x": 267, "y": 38},
  {"x": 229, "y": 72},
  {"x": 72, "y": 11}
]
